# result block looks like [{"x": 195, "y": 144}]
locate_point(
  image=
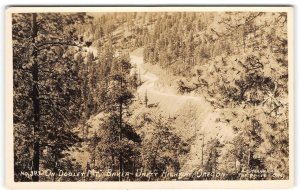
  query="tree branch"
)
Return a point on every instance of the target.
[{"x": 41, "y": 45}]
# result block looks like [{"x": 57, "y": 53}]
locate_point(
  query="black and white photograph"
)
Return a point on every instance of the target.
[{"x": 149, "y": 95}]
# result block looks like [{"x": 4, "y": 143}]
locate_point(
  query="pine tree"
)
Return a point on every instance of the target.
[
  {"x": 146, "y": 99},
  {"x": 44, "y": 72},
  {"x": 162, "y": 149},
  {"x": 120, "y": 138}
]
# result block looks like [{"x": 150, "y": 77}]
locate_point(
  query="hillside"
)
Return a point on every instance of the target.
[
  {"x": 152, "y": 92},
  {"x": 195, "y": 82}
]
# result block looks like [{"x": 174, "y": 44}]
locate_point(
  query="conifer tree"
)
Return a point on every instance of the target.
[{"x": 46, "y": 83}]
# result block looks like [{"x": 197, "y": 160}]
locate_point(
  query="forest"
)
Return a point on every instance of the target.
[{"x": 150, "y": 96}]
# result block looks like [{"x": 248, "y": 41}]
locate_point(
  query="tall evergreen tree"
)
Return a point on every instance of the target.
[
  {"x": 118, "y": 137},
  {"x": 46, "y": 85}
]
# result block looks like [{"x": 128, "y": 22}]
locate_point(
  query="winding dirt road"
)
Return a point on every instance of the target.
[
  {"x": 195, "y": 116},
  {"x": 167, "y": 99}
]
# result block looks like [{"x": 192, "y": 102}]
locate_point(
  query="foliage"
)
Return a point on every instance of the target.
[{"x": 47, "y": 95}]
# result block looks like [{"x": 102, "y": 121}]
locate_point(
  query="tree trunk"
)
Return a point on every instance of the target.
[
  {"x": 120, "y": 133},
  {"x": 244, "y": 40},
  {"x": 248, "y": 160},
  {"x": 35, "y": 101},
  {"x": 134, "y": 165},
  {"x": 202, "y": 151}
]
